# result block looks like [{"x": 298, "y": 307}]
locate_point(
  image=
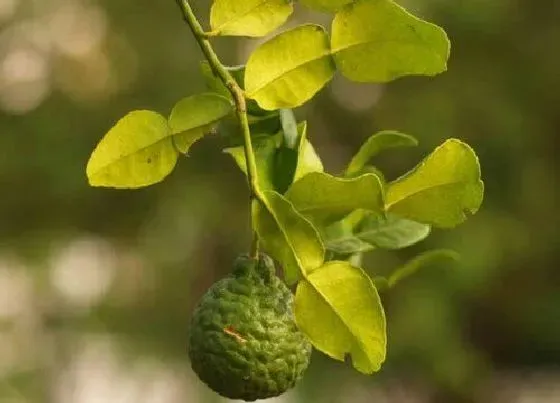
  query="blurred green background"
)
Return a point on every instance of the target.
[{"x": 97, "y": 286}]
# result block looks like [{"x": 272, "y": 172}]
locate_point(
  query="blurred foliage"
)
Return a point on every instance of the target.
[{"x": 452, "y": 328}]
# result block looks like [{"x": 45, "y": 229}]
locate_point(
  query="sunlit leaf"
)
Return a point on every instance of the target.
[
  {"x": 375, "y": 144},
  {"x": 338, "y": 308},
  {"x": 192, "y": 117},
  {"x": 326, "y": 5},
  {"x": 290, "y": 68},
  {"x": 287, "y": 236},
  {"x": 379, "y": 41},
  {"x": 248, "y": 17},
  {"x": 322, "y": 197},
  {"x": 442, "y": 189},
  {"x": 138, "y": 151}
]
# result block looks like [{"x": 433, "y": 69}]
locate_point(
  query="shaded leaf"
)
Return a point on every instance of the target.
[
  {"x": 264, "y": 150},
  {"x": 248, "y": 17},
  {"x": 442, "y": 189},
  {"x": 375, "y": 144},
  {"x": 289, "y": 128},
  {"x": 138, "y": 151},
  {"x": 362, "y": 232},
  {"x": 308, "y": 160},
  {"x": 278, "y": 165},
  {"x": 379, "y": 41},
  {"x": 419, "y": 262},
  {"x": 338, "y": 308},
  {"x": 325, "y": 198},
  {"x": 290, "y": 68},
  {"x": 287, "y": 236}
]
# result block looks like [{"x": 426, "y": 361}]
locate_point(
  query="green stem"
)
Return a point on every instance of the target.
[{"x": 238, "y": 97}]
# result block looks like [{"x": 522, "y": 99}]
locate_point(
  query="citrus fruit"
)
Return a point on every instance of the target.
[{"x": 243, "y": 341}]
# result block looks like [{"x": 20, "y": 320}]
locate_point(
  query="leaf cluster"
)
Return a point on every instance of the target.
[{"x": 315, "y": 224}]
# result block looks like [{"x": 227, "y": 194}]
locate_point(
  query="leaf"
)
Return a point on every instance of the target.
[
  {"x": 366, "y": 231},
  {"x": 391, "y": 231},
  {"x": 264, "y": 150},
  {"x": 138, "y": 151},
  {"x": 308, "y": 160},
  {"x": 325, "y": 198},
  {"x": 277, "y": 165},
  {"x": 287, "y": 236},
  {"x": 442, "y": 189},
  {"x": 290, "y": 68},
  {"x": 248, "y": 17},
  {"x": 375, "y": 144},
  {"x": 419, "y": 262},
  {"x": 326, "y": 5},
  {"x": 379, "y": 41},
  {"x": 338, "y": 308},
  {"x": 289, "y": 128},
  {"x": 193, "y": 116}
]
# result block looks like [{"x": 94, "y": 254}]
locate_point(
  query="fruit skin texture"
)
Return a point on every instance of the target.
[{"x": 243, "y": 341}]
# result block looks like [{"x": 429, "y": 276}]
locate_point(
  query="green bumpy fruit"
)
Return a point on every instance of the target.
[{"x": 243, "y": 341}]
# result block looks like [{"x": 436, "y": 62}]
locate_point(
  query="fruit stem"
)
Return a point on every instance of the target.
[{"x": 238, "y": 96}]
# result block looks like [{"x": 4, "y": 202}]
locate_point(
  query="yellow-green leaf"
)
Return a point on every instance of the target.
[
  {"x": 194, "y": 116},
  {"x": 375, "y": 144},
  {"x": 338, "y": 308},
  {"x": 248, "y": 17},
  {"x": 138, "y": 151},
  {"x": 442, "y": 189},
  {"x": 308, "y": 161},
  {"x": 290, "y": 68},
  {"x": 287, "y": 236},
  {"x": 326, "y": 5},
  {"x": 325, "y": 198},
  {"x": 379, "y": 41}
]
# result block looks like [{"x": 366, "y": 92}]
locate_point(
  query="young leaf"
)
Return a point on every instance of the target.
[
  {"x": 248, "y": 17},
  {"x": 375, "y": 144},
  {"x": 138, "y": 151},
  {"x": 338, "y": 308},
  {"x": 291, "y": 165},
  {"x": 442, "y": 189},
  {"x": 289, "y": 128},
  {"x": 368, "y": 231},
  {"x": 193, "y": 116},
  {"x": 308, "y": 160},
  {"x": 277, "y": 166},
  {"x": 290, "y": 68},
  {"x": 419, "y": 262},
  {"x": 264, "y": 150},
  {"x": 326, "y": 5},
  {"x": 325, "y": 198},
  {"x": 287, "y": 236},
  {"x": 379, "y": 41}
]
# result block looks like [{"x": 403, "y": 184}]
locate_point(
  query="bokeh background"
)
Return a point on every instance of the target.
[{"x": 97, "y": 286}]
